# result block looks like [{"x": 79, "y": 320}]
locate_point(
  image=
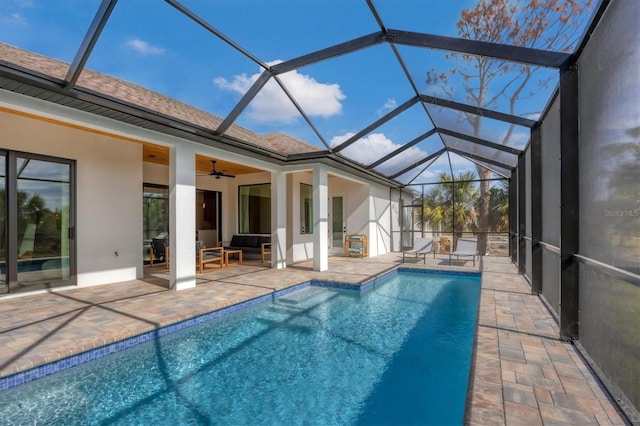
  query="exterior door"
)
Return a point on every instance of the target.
[
  {"x": 38, "y": 246},
  {"x": 337, "y": 230}
]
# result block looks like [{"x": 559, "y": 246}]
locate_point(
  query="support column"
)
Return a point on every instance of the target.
[
  {"x": 536, "y": 210},
  {"x": 522, "y": 216},
  {"x": 182, "y": 218},
  {"x": 513, "y": 216},
  {"x": 569, "y": 203},
  {"x": 278, "y": 220},
  {"x": 320, "y": 218}
]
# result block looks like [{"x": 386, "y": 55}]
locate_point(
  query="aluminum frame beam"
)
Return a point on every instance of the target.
[
  {"x": 526, "y": 55},
  {"x": 329, "y": 52},
  {"x": 495, "y": 115},
  {"x": 403, "y": 148},
  {"x": 536, "y": 209},
  {"x": 242, "y": 104},
  {"x": 417, "y": 163},
  {"x": 301, "y": 111},
  {"x": 487, "y": 166},
  {"x": 513, "y": 216},
  {"x": 397, "y": 111},
  {"x": 480, "y": 158},
  {"x": 522, "y": 214},
  {"x": 479, "y": 141},
  {"x": 569, "y": 204},
  {"x": 204, "y": 24},
  {"x": 89, "y": 41}
]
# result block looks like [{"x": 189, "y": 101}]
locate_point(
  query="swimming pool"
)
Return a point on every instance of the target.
[{"x": 398, "y": 353}]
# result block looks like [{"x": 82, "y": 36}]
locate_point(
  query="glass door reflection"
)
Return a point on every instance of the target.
[
  {"x": 4, "y": 288},
  {"x": 43, "y": 217},
  {"x": 337, "y": 222}
]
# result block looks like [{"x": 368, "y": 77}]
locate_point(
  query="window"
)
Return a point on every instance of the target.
[
  {"x": 254, "y": 209},
  {"x": 306, "y": 209},
  {"x": 155, "y": 213}
]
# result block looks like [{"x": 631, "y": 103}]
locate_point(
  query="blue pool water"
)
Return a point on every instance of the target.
[{"x": 396, "y": 354}]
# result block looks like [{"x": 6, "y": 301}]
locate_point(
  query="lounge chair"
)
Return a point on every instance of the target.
[
  {"x": 421, "y": 246},
  {"x": 466, "y": 247}
]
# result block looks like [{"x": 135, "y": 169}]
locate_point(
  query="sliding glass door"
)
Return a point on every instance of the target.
[
  {"x": 38, "y": 216},
  {"x": 4, "y": 286}
]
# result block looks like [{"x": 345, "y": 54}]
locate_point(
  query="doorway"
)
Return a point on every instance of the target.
[
  {"x": 338, "y": 228},
  {"x": 209, "y": 217},
  {"x": 37, "y": 222}
]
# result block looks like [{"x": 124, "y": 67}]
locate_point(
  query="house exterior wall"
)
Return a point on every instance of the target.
[
  {"x": 110, "y": 173},
  {"x": 356, "y": 206},
  {"x": 380, "y": 207},
  {"x": 301, "y": 247},
  {"x": 108, "y": 193}
]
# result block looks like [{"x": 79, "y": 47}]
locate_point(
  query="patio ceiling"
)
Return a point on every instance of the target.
[
  {"x": 160, "y": 155},
  {"x": 404, "y": 124}
]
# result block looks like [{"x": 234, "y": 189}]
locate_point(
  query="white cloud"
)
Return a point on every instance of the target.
[
  {"x": 14, "y": 19},
  {"x": 517, "y": 139},
  {"x": 375, "y": 146},
  {"x": 366, "y": 150},
  {"x": 389, "y": 105},
  {"x": 142, "y": 47},
  {"x": 272, "y": 105}
]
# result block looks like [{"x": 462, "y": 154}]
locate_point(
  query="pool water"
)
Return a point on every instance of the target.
[{"x": 399, "y": 353}]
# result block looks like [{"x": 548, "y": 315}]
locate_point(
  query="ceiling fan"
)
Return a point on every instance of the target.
[{"x": 218, "y": 174}]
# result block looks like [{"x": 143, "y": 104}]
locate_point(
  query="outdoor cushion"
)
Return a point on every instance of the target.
[
  {"x": 238, "y": 241},
  {"x": 251, "y": 241}
]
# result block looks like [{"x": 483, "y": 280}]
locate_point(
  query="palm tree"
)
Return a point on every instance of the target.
[
  {"x": 450, "y": 206},
  {"x": 499, "y": 207}
]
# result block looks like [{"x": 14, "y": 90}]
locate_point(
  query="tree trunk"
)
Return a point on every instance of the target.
[{"x": 483, "y": 209}]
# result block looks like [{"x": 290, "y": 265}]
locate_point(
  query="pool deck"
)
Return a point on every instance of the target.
[{"x": 522, "y": 373}]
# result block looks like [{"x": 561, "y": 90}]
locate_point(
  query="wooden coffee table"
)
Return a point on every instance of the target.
[{"x": 228, "y": 252}]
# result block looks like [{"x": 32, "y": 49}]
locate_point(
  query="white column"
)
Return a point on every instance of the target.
[
  {"x": 320, "y": 219},
  {"x": 278, "y": 220},
  {"x": 182, "y": 218}
]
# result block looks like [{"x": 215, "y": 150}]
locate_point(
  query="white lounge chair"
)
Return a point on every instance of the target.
[
  {"x": 466, "y": 247},
  {"x": 420, "y": 246}
]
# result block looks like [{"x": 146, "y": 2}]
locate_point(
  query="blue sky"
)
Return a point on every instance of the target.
[{"x": 150, "y": 43}]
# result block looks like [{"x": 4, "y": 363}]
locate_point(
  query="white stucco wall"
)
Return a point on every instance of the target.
[
  {"x": 108, "y": 193},
  {"x": 356, "y": 205},
  {"x": 380, "y": 225},
  {"x": 301, "y": 244}
]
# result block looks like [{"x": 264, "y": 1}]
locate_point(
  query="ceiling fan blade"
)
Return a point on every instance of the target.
[{"x": 218, "y": 174}]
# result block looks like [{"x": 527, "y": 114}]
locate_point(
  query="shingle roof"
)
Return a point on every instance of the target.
[
  {"x": 148, "y": 99},
  {"x": 288, "y": 144}
]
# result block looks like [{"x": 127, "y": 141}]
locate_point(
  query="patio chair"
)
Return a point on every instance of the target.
[
  {"x": 421, "y": 246},
  {"x": 208, "y": 255},
  {"x": 159, "y": 251},
  {"x": 466, "y": 247}
]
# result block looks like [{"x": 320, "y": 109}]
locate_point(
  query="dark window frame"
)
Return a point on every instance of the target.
[{"x": 251, "y": 221}]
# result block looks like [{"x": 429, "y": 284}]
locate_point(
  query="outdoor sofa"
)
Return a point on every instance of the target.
[{"x": 252, "y": 246}]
